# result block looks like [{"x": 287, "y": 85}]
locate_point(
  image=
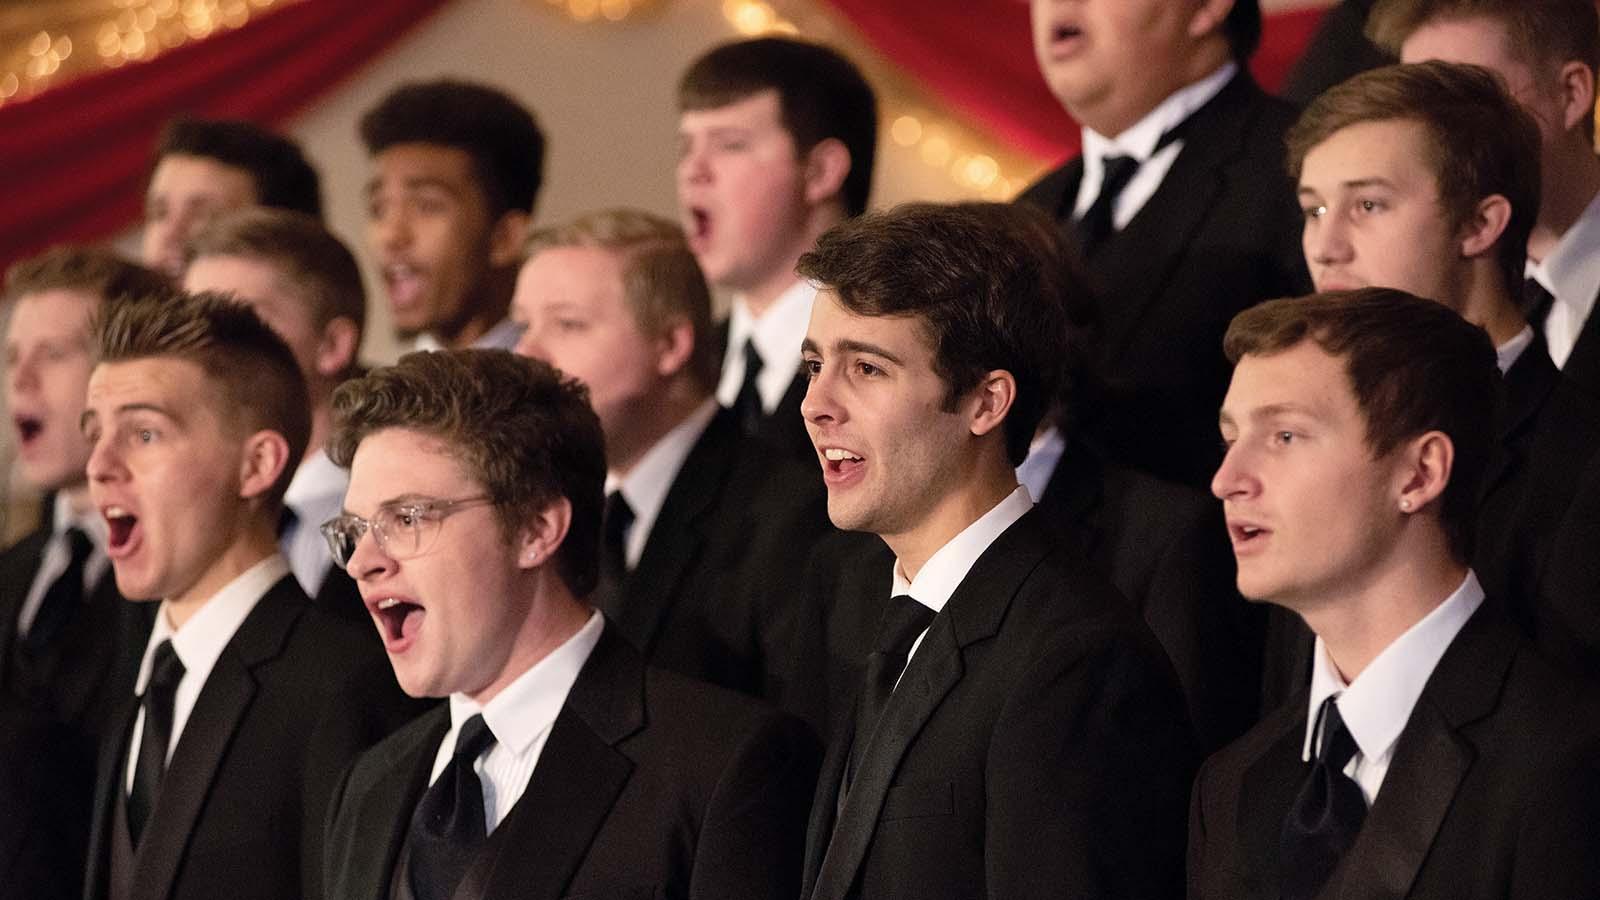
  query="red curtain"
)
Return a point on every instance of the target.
[
  {"x": 978, "y": 58},
  {"x": 72, "y": 159}
]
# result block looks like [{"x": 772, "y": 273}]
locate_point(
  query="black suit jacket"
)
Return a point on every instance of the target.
[
  {"x": 293, "y": 698},
  {"x": 1036, "y": 746},
  {"x": 1493, "y": 790},
  {"x": 710, "y": 596},
  {"x": 339, "y": 597},
  {"x": 1583, "y": 364},
  {"x": 1221, "y": 233},
  {"x": 46, "y": 775},
  {"x": 783, "y": 429},
  {"x": 650, "y": 785},
  {"x": 1165, "y": 547}
]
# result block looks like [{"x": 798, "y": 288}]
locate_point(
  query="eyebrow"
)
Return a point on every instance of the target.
[
  {"x": 848, "y": 345},
  {"x": 412, "y": 183},
  {"x": 90, "y": 415}
]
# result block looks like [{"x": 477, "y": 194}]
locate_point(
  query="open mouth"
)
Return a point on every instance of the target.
[
  {"x": 1245, "y": 535},
  {"x": 699, "y": 225},
  {"x": 121, "y": 530},
  {"x": 28, "y": 428},
  {"x": 398, "y": 621},
  {"x": 839, "y": 464},
  {"x": 404, "y": 283},
  {"x": 1064, "y": 39}
]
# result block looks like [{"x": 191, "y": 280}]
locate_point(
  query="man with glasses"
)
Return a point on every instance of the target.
[
  {"x": 562, "y": 764},
  {"x": 215, "y": 774}
]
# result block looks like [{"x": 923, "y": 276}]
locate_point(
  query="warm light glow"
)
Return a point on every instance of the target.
[
  {"x": 583, "y": 10},
  {"x": 615, "y": 10},
  {"x": 40, "y": 45},
  {"x": 906, "y": 131},
  {"x": 936, "y": 151}
]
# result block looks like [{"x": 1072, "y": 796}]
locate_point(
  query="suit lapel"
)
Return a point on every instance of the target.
[
  {"x": 1267, "y": 791},
  {"x": 376, "y": 852},
  {"x": 1431, "y": 758},
  {"x": 1214, "y": 137},
  {"x": 578, "y": 777},
  {"x": 1583, "y": 364},
  {"x": 202, "y": 746},
  {"x": 21, "y": 563},
  {"x": 1528, "y": 384},
  {"x": 974, "y": 613},
  {"x": 1073, "y": 497},
  {"x": 108, "y": 790},
  {"x": 678, "y": 534}
]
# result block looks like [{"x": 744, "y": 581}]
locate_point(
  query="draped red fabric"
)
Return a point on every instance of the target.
[
  {"x": 73, "y": 159},
  {"x": 978, "y": 58}
]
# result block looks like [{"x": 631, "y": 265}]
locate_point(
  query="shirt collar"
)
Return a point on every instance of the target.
[
  {"x": 1506, "y": 354},
  {"x": 948, "y": 567},
  {"x": 1571, "y": 271},
  {"x": 1140, "y": 139},
  {"x": 1044, "y": 455},
  {"x": 318, "y": 487},
  {"x": 778, "y": 334},
  {"x": 202, "y": 638},
  {"x": 646, "y": 486},
  {"x": 502, "y": 335},
  {"x": 529, "y": 704},
  {"x": 62, "y": 517},
  {"x": 1376, "y": 706}
]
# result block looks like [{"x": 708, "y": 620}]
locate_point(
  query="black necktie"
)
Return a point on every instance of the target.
[
  {"x": 1536, "y": 303},
  {"x": 447, "y": 828},
  {"x": 903, "y": 619},
  {"x": 64, "y": 596},
  {"x": 166, "y": 671},
  {"x": 1326, "y": 815},
  {"x": 1095, "y": 226},
  {"x": 748, "y": 403},
  {"x": 616, "y": 519}
]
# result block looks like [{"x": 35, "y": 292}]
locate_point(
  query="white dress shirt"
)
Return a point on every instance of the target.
[
  {"x": 1571, "y": 273},
  {"x": 948, "y": 566},
  {"x": 503, "y": 335},
  {"x": 1506, "y": 354},
  {"x": 199, "y": 643},
  {"x": 315, "y": 495},
  {"x": 778, "y": 334},
  {"x": 520, "y": 717},
  {"x": 1376, "y": 706},
  {"x": 1044, "y": 454},
  {"x": 1139, "y": 141},
  {"x": 645, "y": 489},
  {"x": 57, "y": 555}
]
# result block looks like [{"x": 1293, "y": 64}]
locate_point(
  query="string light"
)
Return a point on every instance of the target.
[
  {"x": 597, "y": 10},
  {"x": 114, "y": 34},
  {"x": 939, "y": 142}
]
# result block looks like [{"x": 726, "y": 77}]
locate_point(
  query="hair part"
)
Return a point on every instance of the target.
[
  {"x": 1479, "y": 141},
  {"x": 821, "y": 95},
  {"x": 315, "y": 264},
  {"x": 661, "y": 282},
  {"x": 496, "y": 132},
  {"x": 283, "y": 178},
  {"x": 259, "y": 384},
  {"x": 1413, "y": 365},
  {"x": 517, "y": 426},
  {"x": 986, "y": 300}
]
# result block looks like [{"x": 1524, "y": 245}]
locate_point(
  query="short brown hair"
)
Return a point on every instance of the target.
[
  {"x": 661, "y": 281},
  {"x": 516, "y": 424},
  {"x": 1540, "y": 31},
  {"x": 1414, "y": 366},
  {"x": 821, "y": 95},
  {"x": 261, "y": 386},
  {"x": 986, "y": 299},
  {"x": 278, "y": 169},
  {"x": 302, "y": 251},
  {"x": 92, "y": 270},
  {"x": 1480, "y": 142}
]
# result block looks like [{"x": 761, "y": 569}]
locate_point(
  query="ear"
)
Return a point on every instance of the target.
[
  {"x": 674, "y": 347},
  {"x": 1577, "y": 94},
  {"x": 992, "y": 400},
  {"x": 1483, "y": 229},
  {"x": 262, "y": 459},
  {"x": 1426, "y": 463},
  {"x": 337, "y": 348},
  {"x": 542, "y": 535},
  {"x": 1209, "y": 15},
  {"x": 505, "y": 239},
  {"x": 826, "y": 167}
]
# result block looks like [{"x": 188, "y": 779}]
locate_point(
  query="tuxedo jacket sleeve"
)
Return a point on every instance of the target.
[
  {"x": 1221, "y": 233},
  {"x": 1493, "y": 790},
  {"x": 46, "y": 775},
  {"x": 650, "y": 785},
  {"x": 1036, "y": 746}
]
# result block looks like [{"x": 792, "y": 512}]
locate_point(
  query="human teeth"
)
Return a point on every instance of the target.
[
  {"x": 388, "y": 603},
  {"x": 116, "y": 512},
  {"x": 837, "y": 455}
]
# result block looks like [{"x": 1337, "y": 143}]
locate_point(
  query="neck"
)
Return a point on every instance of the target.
[
  {"x": 1571, "y": 181},
  {"x": 980, "y": 492},
  {"x": 1487, "y": 303},
  {"x": 487, "y": 311},
  {"x": 1111, "y": 114},
  {"x": 762, "y": 293},
  {"x": 1364, "y": 619},
  {"x": 253, "y": 545},
  {"x": 650, "y": 421},
  {"x": 554, "y": 616}
]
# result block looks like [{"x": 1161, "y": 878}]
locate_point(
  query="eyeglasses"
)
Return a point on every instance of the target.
[{"x": 403, "y": 529}]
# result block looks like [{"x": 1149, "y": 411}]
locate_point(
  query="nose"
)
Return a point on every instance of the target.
[
  {"x": 820, "y": 404},
  {"x": 390, "y": 228},
  {"x": 1326, "y": 242},
  {"x": 105, "y": 464},
  {"x": 528, "y": 345},
  {"x": 1233, "y": 479},
  {"x": 369, "y": 562},
  {"x": 21, "y": 374},
  {"x": 692, "y": 167}
]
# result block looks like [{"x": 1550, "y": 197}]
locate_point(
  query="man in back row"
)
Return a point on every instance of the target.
[{"x": 776, "y": 139}]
